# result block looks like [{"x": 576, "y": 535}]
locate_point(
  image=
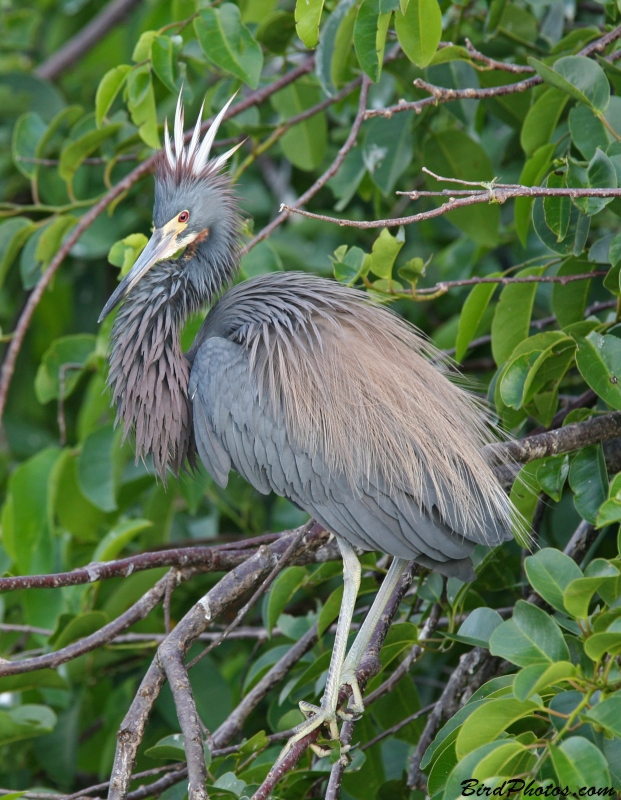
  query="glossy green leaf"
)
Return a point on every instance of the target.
[
  {"x": 370, "y": 31},
  {"x": 97, "y": 470},
  {"x": 552, "y": 474},
  {"x": 569, "y": 300},
  {"x": 307, "y": 19},
  {"x": 330, "y": 610},
  {"x": 419, "y": 29},
  {"x": 589, "y": 480},
  {"x": 69, "y": 353},
  {"x": 511, "y": 322},
  {"x": 530, "y": 637},
  {"x": 541, "y": 121},
  {"x": 229, "y": 44},
  {"x": 331, "y": 51},
  {"x": 577, "y": 231},
  {"x": 525, "y": 497},
  {"x": 124, "y": 253},
  {"x": 141, "y": 104},
  {"x": 587, "y": 131},
  {"x": 488, "y": 721},
  {"x": 281, "y": 592},
  {"x": 533, "y": 172},
  {"x": 170, "y": 748},
  {"x": 74, "y": 154},
  {"x": 13, "y": 234},
  {"x": 579, "y": 763},
  {"x": 163, "y": 58},
  {"x": 276, "y": 31},
  {"x": 27, "y": 133},
  {"x": 578, "y": 76},
  {"x": 600, "y": 174},
  {"x": 305, "y": 144},
  {"x": 607, "y": 713},
  {"x": 557, "y": 210},
  {"x": 118, "y": 538},
  {"x": 598, "y": 358},
  {"x": 79, "y": 627},
  {"x": 387, "y": 150},
  {"x": 534, "y": 679},
  {"x": 25, "y": 722},
  {"x": 109, "y": 87},
  {"x": 385, "y": 250},
  {"x": 550, "y": 572},
  {"x": 479, "y": 626},
  {"x": 472, "y": 314}
]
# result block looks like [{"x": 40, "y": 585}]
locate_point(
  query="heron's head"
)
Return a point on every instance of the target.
[{"x": 194, "y": 212}]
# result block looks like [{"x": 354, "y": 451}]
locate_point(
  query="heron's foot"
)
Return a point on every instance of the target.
[
  {"x": 316, "y": 716},
  {"x": 356, "y": 704}
]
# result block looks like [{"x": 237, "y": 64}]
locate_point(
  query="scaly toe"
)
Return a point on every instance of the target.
[
  {"x": 321, "y": 716},
  {"x": 309, "y": 709}
]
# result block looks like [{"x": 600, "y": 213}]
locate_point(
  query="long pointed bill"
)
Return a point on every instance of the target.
[{"x": 162, "y": 244}]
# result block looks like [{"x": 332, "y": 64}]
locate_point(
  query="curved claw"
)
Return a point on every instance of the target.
[
  {"x": 320, "y": 716},
  {"x": 308, "y": 709}
]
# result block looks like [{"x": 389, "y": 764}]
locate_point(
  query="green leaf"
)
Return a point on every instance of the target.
[
  {"x": 541, "y": 122},
  {"x": 577, "y": 231},
  {"x": 306, "y": 143},
  {"x": 524, "y": 497},
  {"x": 488, "y": 721},
  {"x": 42, "y": 247},
  {"x": 229, "y": 44},
  {"x": 124, "y": 253},
  {"x": 163, "y": 58},
  {"x": 607, "y": 713},
  {"x": 579, "y": 763},
  {"x": 96, "y": 469},
  {"x": 550, "y": 572},
  {"x": 349, "y": 264},
  {"x": 171, "y": 748},
  {"x": 578, "y": 76},
  {"x": 471, "y": 315},
  {"x": 531, "y": 637},
  {"x": 579, "y": 593},
  {"x": 478, "y": 626},
  {"x": 13, "y": 234},
  {"x": 142, "y": 50},
  {"x": 141, "y": 104},
  {"x": 587, "y": 131},
  {"x": 589, "y": 480},
  {"x": 557, "y": 210},
  {"x": 276, "y": 31},
  {"x": 453, "y": 154},
  {"x": 569, "y": 301},
  {"x": 551, "y": 475},
  {"x": 387, "y": 150},
  {"x": 281, "y": 592},
  {"x": 600, "y": 174},
  {"x": 109, "y": 87},
  {"x": 74, "y": 153},
  {"x": 370, "y": 31},
  {"x": 330, "y": 610},
  {"x": 75, "y": 350},
  {"x": 79, "y": 627},
  {"x": 599, "y": 360},
  {"x": 533, "y": 172},
  {"x": 27, "y": 133},
  {"x": 25, "y": 722},
  {"x": 532, "y": 680},
  {"x": 307, "y": 19},
  {"x": 27, "y": 537},
  {"x": 332, "y": 50},
  {"x": 385, "y": 250},
  {"x": 118, "y": 538},
  {"x": 419, "y": 29},
  {"x": 511, "y": 322}
]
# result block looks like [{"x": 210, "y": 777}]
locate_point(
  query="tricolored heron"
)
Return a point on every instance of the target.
[{"x": 306, "y": 388}]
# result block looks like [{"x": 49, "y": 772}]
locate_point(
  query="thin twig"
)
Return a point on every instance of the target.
[{"x": 493, "y": 64}]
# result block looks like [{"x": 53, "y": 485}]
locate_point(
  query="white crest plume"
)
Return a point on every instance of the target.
[{"x": 196, "y": 155}]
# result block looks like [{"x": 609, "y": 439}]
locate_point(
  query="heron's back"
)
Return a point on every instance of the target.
[{"x": 313, "y": 392}]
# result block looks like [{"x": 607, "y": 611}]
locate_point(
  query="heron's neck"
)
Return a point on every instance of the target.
[{"x": 149, "y": 373}]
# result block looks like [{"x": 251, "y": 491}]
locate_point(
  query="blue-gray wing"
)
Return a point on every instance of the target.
[{"x": 234, "y": 429}]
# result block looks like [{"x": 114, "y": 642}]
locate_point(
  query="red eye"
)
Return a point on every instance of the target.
[{"x": 183, "y": 217}]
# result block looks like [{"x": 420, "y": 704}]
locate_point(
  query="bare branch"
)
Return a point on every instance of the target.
[
  {"x": 440, "y": 94},
  {"x": 73, "y": 49},
  {"x": 323, "y": 179},
  {"x": 491, "y": 63}
]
